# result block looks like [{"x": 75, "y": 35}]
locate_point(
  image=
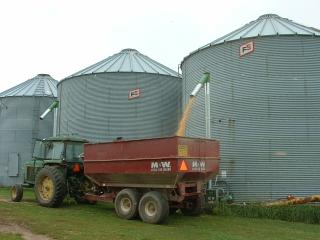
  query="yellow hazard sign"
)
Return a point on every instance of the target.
[{"x": 183, "y": 151}]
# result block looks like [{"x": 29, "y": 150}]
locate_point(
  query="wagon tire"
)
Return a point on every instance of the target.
[
  {"x": 126, "y": 203},
  {"x": 153, "y": 208},
  {"x": 193, "y": 207},
  {"x": 50, "y": 187},
  {"x": 16, "y": 193}
]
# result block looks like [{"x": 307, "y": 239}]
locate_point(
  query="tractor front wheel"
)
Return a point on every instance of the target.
[
  {"x": 16, "y": 193},
  {"x": 50, "y": 187}
]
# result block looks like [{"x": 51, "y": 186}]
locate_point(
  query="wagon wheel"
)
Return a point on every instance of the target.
[
  {"x": 126, "y": 203},
  {"x": 153, "y": 208}
]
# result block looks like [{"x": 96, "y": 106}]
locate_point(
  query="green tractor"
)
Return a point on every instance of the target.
[{"x": 55, "y": 170}]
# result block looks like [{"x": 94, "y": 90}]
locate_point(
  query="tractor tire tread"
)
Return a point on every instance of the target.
[
  {"x": 59, "y": 182},
  {"x": 17, "y": 197}
]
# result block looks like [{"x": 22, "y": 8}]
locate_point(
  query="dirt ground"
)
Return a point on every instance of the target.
[
  {"x": 16, "y": 229},
  {"x": 25, "y": 233}
]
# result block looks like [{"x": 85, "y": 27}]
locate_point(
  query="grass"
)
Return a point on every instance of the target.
[
  {"x": 8, "y": 236},
  {"x": 292, "y": 213},
  {"x": 78, "y": 222}
]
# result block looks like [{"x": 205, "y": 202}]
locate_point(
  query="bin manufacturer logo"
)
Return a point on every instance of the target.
[
  {"x": 198, "y": 165},
  {"x": 161, "y": 166},
  {"x": 246, "y": 48},
  {"x": 134, "y": 93}
]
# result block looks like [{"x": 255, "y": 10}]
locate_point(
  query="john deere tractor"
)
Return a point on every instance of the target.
[{"x": 55, "y": 170}]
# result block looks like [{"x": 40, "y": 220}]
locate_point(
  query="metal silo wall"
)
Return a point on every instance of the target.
[
  {"x": 97, "y": 107},
  {"x": 19, "y": 128},
  {"x": 266, "y": 113}
]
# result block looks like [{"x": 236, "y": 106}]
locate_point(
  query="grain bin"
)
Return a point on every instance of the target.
[
  {"x": 126, "y": 95},
  {"x": 20, "y": 108},
  {"x": 265, "y": 100}
]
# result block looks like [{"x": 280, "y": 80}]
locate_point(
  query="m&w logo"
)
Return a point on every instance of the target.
[
  {"x": 198, "y": 165},
  {"x": 161, "y": 166}
]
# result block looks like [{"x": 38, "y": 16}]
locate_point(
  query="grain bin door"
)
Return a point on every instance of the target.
[{"x": 13, "y": 164}]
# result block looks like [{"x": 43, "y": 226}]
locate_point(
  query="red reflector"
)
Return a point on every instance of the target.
[
  {"x": 76, "y": 168},
  {"x": 183, "y": 166}
]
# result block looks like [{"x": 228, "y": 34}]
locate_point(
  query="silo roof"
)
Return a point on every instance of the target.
[
  {"x": 127, "y": 60},
  {"x": 40, "y": 85},
  {"x": 265, "y": 25}
]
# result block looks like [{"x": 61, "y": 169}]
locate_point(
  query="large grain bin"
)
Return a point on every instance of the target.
[
  {"x": 126, "y": 95},
  {"x": 20, "y": 109},
  {"x": 265, "y": 100}
]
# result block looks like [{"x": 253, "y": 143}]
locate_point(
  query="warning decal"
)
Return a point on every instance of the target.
[
  {"x": 182, "y": 150},
  {"x": 183, "y": 166}
]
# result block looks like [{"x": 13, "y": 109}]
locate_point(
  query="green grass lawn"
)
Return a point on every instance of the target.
[
  {"x": 7, "y": 236},
  {"x": 73, "y": 221}
]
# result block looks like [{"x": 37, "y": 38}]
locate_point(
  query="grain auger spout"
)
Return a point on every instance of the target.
[
  {"x": 204, "y": 82},
  {"x": 54, "y": 105}
]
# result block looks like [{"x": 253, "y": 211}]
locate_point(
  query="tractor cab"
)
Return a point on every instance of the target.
[{"x": 64, "y": 151}]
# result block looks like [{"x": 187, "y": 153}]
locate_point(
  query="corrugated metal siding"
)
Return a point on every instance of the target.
[
  {"x": 97, "y": 108},
  {"x": 19, "y": 128},
  {"x": 266, "y": 113}
]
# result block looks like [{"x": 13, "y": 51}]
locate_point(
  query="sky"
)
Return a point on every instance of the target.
[{"x": 61, "y": 37}]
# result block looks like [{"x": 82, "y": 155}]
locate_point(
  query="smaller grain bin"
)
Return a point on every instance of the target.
[
  {"x": 127, "y": 95},
  {"x": 20, "y": 108}
]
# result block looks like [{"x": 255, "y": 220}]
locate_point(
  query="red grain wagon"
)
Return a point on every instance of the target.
[{"x": 152, "y": 177}]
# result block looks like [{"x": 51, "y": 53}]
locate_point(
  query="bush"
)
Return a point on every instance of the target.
[{"x": 292, "y": 213}]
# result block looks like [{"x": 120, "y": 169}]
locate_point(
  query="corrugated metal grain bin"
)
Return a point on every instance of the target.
[
  {"x": 20, "y": 109},
  {"x": 265, "y": 106},
  {"x": 127, "y": 95}
]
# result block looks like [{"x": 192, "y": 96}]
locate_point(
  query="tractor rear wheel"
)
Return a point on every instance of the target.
[
  {"x": 50, "y": 187},
  {"x": 153, "y": 208},
  {"x": 16, "y": 193},
  {"x": 126, "y": 203}
]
